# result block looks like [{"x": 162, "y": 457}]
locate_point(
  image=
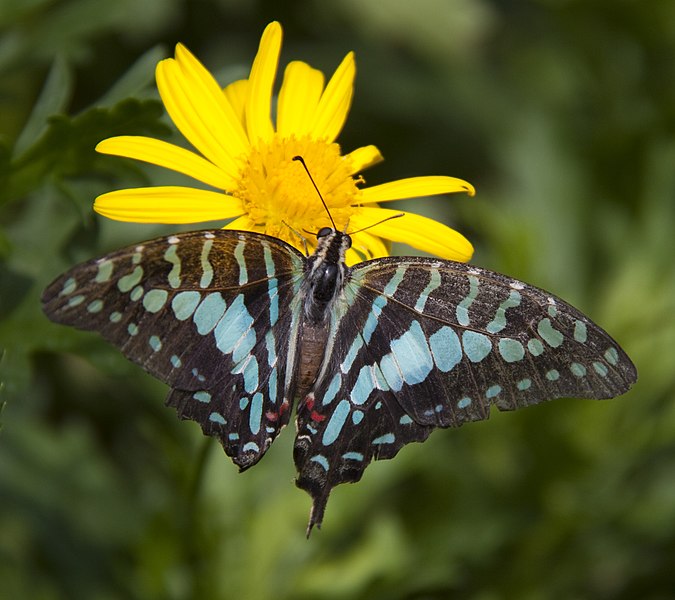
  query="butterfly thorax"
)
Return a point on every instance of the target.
[{"x": 326, "y": 271}]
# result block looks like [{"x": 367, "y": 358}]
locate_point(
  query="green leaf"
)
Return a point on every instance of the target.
[
  {"x": 66, "y": 149},
  {"x": 136, "y": 79},
  {"x": 53, "y": 100}
]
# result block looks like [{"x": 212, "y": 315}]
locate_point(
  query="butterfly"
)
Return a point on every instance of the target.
[{"x": 242, "y": 326}]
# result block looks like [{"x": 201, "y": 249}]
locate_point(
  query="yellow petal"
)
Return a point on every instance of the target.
[
  {"x": 369, "y": 245},
  {"x": 237, "y": 94},
  {"x": 202, "y": 114},
  {"x": 335, "y": 101},
  {"x": 169, "y": 156},
  {"x": 298, "y": 98},
  {"x": 352, "y": 257},
  {"x": 216, "y": 108},
  {"x": 167, "y": 204},
  {"x": 415, "y": 230},
  {"x": 362, "y": 158},
  {"x": 414, "y": 187},
  {"x": 243, "y": 223},
  {"x": 261, "y": 80}
]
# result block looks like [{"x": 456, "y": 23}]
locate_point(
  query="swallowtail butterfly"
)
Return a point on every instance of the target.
[{"x": 241, "y": 326}]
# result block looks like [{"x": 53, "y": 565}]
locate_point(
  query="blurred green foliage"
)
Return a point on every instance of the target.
[{"x": 561, "y": 112}]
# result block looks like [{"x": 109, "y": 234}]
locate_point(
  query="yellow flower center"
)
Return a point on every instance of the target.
[{"x": 279, "y": 197}]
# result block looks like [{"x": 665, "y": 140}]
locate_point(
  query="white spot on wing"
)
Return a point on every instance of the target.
[
  {"x": 516, "y": 285},
  {"x": 173, "y": 240}
]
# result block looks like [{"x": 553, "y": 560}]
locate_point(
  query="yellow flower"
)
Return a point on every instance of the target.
[{"x": 250, "y": 162}]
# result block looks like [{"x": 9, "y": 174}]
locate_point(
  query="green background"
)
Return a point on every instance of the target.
[{"x": 562, "y": 113}]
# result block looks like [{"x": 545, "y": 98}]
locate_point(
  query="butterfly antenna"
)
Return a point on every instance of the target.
[
  {"x": 302, "y": 161},
  {"x": 398, "y": 216}
]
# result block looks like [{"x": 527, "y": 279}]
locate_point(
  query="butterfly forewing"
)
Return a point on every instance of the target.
[
  {"x": 420, "y": 343},
  {"x": 210, "y": 313}
]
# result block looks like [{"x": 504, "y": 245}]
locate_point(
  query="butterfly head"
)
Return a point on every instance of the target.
[{"x": 332, "y": 245}]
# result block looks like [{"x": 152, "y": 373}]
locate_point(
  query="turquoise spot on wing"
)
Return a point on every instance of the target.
[
  {"x": 553, "y": 375},
  {"x": 434, "y": 283},
  {"x": 235, "y": 323},
  {"x": 353, "y": 456},
  {"x": 127, "y": 282},
  {"x": 249, "y": 369},
  {"x": 493, "y": 391},
  {"x": 215, "y": 417},
  {"x": 499, "y": 322},
  {"x": 241, "y": 261},
  {"x": 245, "y": 346},
  {"x": 387, "y": 438},
  {"x": 580, "y": 332},
  {"x": 351, "y": 353},
  {"x": 243, "y": 403},
  {"x": 462, "y": 310},
  {"x": 445, "y": 348},
  {"x": 335, "y": 423},
  {"x": 171, "y": 256},
  {"x": 137, "y": 293},
  {"x": 612, "y": 356},
  {"x": 371, "y": 323},
  {"x": 476, "y": 345},
  {"x": 357, "y": 416},
  {"x": 132, "y": 329},
  {"x": 511, "y": 350},
  {"x": 524, "y": 384},
  {"x": 395, "y": 281},
  {"x": 155, "y": 343},
  {"x": 321, "y": 460},
  {"x": 76, "y": 301},
  {"x": 272, "y": 385},
  {"x": 391, "y": 372},
  {"x": 202, "y": 396},
  {"x": 255, "y": 414},
  {"x": 413, "y": 355},
  {"x": 115, "y": 317},
  {"x": 332, "y": 390},
  {"x": 207, "y": 268},
  {"x": 105, "y": 271},
  {"x": 233, "y": 436},
  {"x": 273, "y": 293},
  {"x": 184, "y": 304},
  {"x": 364, "y": 385},
  {"x": 209, "y": 312},
  {"x": 600, "y": 369},
  {"x": 578, "y": 369},
  {"x": 549, "y": 334},
  {"x": 271, "y": 349},
  {"x": 464, "y": 402},
  {"x": 552, "y": 310},
  {"x": 535, "y": 347},
  {"x": 405, "y": 420},
  {"x": 155, "y": 300},
  {"x": 270, "y": 267},
  {"x": 251, "y": 447},
  {"x": 95, "y": 306},
  {"x": 69, "y": 286},
  {"x": 176, "y": 361}
]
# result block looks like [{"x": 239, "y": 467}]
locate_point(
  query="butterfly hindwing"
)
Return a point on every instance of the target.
[
  {"x": 421, "y": 343},
  {"x": 211, "y": 314}
]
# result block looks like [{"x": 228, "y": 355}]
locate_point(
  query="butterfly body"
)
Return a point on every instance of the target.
[{"x": 241, "y": 326}]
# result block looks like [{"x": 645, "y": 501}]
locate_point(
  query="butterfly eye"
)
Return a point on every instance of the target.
[
  {"x": 349, "y": 241},
  {"x": 323, "y": 232}
]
